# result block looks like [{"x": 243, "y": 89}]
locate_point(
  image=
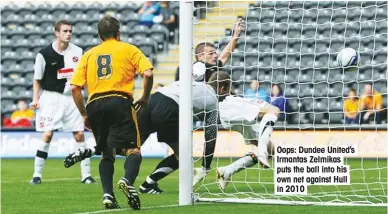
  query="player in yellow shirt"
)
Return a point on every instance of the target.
[
  {"x": 352, "y": 107},
  {"x": 108, "y": 72},
  {"x": 372, "y": 103},
  {"x": 23, "y": 112}
]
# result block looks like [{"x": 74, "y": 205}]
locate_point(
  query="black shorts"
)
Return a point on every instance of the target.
[
  {"x": 113, "y": 121},
  {"x": 162, "y": 116}
]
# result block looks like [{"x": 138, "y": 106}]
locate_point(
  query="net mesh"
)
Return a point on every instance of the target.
[{"x": 295, "y": 44}]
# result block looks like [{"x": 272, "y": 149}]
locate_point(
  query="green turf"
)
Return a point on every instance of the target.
[{"x": 68, "y": 195}]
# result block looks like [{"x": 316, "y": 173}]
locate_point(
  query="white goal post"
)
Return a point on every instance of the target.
[
  {"x": 185, "y": 103},
  {"x": 293, "y": 44}
]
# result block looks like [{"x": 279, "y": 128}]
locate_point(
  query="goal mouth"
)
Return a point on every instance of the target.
[{"x": 295, "y": 45}]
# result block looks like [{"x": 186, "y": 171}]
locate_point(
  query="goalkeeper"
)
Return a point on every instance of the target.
[{"x": 240, "y": 114}]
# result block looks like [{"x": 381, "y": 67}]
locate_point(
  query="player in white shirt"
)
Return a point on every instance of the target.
[
  {"x": 52, "y": 98},
  {"x": 238, "y": 113}
]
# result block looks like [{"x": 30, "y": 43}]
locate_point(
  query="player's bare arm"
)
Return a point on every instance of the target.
[
  {"x": 148, "y": 80},
  {"x": 147, "y": 83},
  {"x": 36, "y": 90},
  {"x": 238, "y": 28},
  {"x": 78, "y": 99},
  {"x": 39, "y": 68},
  {"x": 76, "y": 92}
]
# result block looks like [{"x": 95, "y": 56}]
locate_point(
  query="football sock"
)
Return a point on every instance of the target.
[
  {"x": 132, "y": 167},
  {"x": 245, "y": 162},
  {"x": 85, "y": 164},
  {"x": 208, "y": 154},
  {"x": 265, "y": 131},
  {"x": 40, "y": 158},
  {"x": 164, "y": 168},
  {"x": 106, "y": 169}
]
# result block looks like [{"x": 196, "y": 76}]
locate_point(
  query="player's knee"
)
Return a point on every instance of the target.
[
  {"x": 79, "y": 136},
  {"x": 47, "y": 136},
  {"x": 274, "y": 110},
  {"x": 127, "y": 152},
  {"x": 253, "y": 156}
]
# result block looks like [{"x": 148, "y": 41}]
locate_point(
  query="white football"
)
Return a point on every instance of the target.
[{"x": 348, "y": 57}]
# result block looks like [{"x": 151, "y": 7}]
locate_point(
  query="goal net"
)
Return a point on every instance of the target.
[{"x": 294, "y": 44}]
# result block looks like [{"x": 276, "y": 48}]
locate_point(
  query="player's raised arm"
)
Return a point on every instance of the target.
[
  {"x": 40, "y": 64},
  {"x": 145, "y": 69},
  {"x": 225, "y": 54}
]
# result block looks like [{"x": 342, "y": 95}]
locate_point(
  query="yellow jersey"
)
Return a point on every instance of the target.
[
  {"x": 371, "y": 102},
  {"x": 110, "y": 67},
  {"x": 352, "y": 106},
  {"x": 26, "y": 114}
]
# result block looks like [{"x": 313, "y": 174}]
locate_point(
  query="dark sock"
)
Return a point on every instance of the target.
[
  {"x": 208, "y": 154},
  {"x": 131, "y": 167},
  {"x": 164, "y": 168},
  {"x": 107, "y": 169}
]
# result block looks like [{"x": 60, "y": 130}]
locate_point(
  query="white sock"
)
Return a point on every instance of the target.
[
  {"x": 85, "y": 164},
  {"x": 240, "y": 164},
  {"x": 265, "y": 131},
  {"x": 40, "y": 158},
  {"x": 106, "y": 194}
]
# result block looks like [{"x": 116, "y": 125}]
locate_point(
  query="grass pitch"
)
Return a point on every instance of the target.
[{"x": 62, "y": 192}]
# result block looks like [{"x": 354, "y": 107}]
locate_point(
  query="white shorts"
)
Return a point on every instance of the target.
[
  {"x": 58, "y": 111},
  {"x": 240, "y": 114}
]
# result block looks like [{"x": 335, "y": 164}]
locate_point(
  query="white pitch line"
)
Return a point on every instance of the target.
[
  {"x": 118, "y": 210},
  {"x": 48, "y": 180}
]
